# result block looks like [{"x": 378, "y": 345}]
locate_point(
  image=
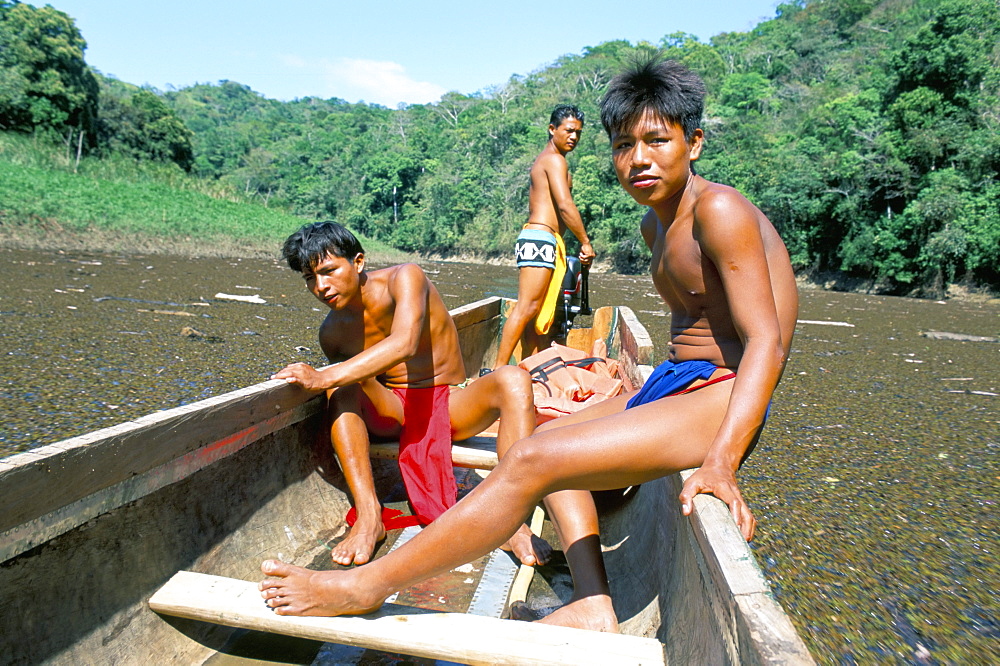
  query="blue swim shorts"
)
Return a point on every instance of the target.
[
  {"x": 535, "y": 247},
  {"x": 670, "y": 377}
]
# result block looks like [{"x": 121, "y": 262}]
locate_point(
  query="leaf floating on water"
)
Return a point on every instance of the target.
[
  {"x": 830, "y": 479},
  {"x": 195, "y": 334}
]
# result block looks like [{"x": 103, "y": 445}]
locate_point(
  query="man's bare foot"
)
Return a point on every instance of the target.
[
  {"x": 293, "y": 590},
  {"x": 358, "y": 546},
  {"x": 528, "y": 548},
  {"x": 594, "y": 613}
]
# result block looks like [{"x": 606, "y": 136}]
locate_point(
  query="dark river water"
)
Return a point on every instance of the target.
[{"x": 875, "y": 483}]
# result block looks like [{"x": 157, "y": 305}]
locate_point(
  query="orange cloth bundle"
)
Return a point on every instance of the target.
[{"x": 565, "y": 380}]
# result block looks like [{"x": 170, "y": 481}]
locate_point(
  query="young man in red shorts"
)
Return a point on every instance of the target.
[{"x": 397, "y": 364}]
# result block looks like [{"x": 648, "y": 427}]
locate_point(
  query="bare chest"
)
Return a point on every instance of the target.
[
  {"x": 349, "y": 335},
  {"x": 680, "y": 271}
]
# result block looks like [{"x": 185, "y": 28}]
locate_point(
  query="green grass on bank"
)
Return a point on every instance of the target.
[{"x": 118, "y": 206}]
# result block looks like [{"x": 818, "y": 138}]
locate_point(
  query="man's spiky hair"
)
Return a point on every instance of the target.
[
  {"x": 313, "y": 242},
  {"x": 667, "y": 88}
]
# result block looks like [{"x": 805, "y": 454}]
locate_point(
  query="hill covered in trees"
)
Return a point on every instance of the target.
[{"x": 869, "y": 132}]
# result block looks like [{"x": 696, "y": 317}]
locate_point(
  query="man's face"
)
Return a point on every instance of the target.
[
  {"x": 567, "y": 135},
  {"x": 335, "y": 280},
  {"x": 652, "y": 159}
]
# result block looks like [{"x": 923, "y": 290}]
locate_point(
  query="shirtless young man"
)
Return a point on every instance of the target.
[
  {"x": 725, "y": 275},
  {"x": 397, "y": 358},
  {"x": 550, "y": 212}
]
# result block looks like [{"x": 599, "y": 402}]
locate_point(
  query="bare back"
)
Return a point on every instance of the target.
[
  {"x": 402, "y": 316},
  {"x": 702, "y": 321}
]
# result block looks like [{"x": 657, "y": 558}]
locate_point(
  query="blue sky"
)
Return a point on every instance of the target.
[{"x": 379, "y": 52}]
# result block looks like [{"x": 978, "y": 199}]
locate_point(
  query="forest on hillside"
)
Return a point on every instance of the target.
[{"x": 868, "y": 131}]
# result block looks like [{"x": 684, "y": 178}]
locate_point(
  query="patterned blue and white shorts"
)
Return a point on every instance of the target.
[{"x": 535, "y": 247}]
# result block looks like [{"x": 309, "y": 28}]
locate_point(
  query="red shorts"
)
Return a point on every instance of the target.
[{"x": 425, "y": 451}]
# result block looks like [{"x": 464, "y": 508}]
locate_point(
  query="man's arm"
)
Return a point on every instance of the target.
[
  {"x": 557, "y": 175},
  {"x": 728, "y": 231},
  {"x": 408, "y": 289}
]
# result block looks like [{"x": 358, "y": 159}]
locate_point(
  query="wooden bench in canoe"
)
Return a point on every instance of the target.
[{"x": 92, "y": 527}]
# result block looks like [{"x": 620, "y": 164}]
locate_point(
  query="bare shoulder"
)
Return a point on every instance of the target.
[
  {"x": 405, "y": 272},
  {"x": 550, "y": 162},
  {"x": 723, "y": 208},
  {"x": 391, "y": 274},
  {"x": 404, "y": 279},
  {"x": 715, "y": 200},
  {"x": 329, "y": 337},
  {"x": 649, "y": 227}
]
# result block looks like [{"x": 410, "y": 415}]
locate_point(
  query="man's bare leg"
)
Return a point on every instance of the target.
[
  {"x": 349, "y": 432},
  {"x": 575, "y": 519},
  {"x": 504, "y": 394},
  {"x": 532, "y": 284},
  {"x": 620, "y": 450}
]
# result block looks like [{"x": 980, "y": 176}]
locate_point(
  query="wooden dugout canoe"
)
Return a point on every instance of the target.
[{"x": 93, "y": 526}]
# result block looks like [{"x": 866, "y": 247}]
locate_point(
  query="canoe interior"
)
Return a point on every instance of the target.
[{"x": 92, "y": 526}]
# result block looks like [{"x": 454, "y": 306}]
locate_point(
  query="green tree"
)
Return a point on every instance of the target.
[
  {"x": 46, "y": 85},
  {"x": 136, "y": 122}
]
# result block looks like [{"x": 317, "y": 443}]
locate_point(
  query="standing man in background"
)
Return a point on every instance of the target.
[{"x": 540, "y": 251}]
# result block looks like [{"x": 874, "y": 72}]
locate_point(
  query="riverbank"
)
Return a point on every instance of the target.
[
  {"x": 51, "y": 235},
  {"x": 21, "y": 237}
]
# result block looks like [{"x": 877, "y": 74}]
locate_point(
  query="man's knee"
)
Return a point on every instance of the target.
[
  {"x": 530, "y": 307},
  {"x": 346, "y": 399},
  {"x": 529, "y": 459},
  {"x": 514, "y": 386}
]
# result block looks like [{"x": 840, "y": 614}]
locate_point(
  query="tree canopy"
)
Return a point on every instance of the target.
[{"x": 45, "y": 84}]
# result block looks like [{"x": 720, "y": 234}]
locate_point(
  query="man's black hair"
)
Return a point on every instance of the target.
[
  {"x": 667, "y": 88},
  {"x": 313, "y": 242},
  {"x": 564, "y": 111}
]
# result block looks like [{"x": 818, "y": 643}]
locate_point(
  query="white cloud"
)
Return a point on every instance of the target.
[
  {"x": 377, "y": 82},
  {"x": 352, "y": 79}
]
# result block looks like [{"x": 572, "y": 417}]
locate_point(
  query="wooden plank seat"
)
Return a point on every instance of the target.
[
  {"x": 469, "y": 639},
  {"x": 474, "y": 453}
]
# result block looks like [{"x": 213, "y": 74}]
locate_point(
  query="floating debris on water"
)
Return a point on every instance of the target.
[{"x": 245, "y": 299}]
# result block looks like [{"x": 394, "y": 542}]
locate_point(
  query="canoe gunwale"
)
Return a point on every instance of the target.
[
  {"x": 52, "y": 507},
  {"x": 762, "y": 631}
]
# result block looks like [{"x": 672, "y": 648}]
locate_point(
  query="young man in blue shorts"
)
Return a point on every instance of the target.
[{"x": 726, "y": 278}]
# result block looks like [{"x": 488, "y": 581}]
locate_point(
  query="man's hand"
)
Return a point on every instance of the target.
[
  {"x": 302, "y": 374},
  {"x": 586, "y": 254},
  {"x": 721, "y": 482}
]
